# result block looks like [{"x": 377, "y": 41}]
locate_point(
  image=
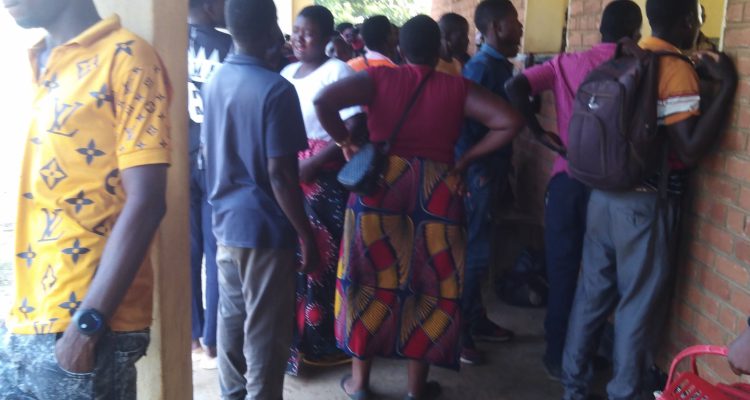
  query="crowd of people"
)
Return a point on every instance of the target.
[{"x": 299, "y": 271}]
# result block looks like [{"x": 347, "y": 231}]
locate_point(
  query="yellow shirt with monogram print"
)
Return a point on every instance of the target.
[{"x": 100, "y": 107}]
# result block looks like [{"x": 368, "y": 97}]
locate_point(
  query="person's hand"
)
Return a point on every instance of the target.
[
  {"x": 308, "y": 170},
  {"x": 739, "y": 354},
  {"x": 552, "y": 141},
  {"x": 310, "y": 255},
  {"x": 349, "y": 151},
  {"x": 717, "y": 66},
  {"x": 458, "y": 173},
  {"x": 76, "y": 352}
]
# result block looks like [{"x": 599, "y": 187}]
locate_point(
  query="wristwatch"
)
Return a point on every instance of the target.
[{"x": 89, "y": 322}]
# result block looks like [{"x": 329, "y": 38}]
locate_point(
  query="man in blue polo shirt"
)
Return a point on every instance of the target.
[
  {"x": 490, "y": 68},
  {"x": 253, "y": 130}
]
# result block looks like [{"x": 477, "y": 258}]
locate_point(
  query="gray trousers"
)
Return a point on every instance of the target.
[
  {"x": 29, "y": 370},
  {"x": 626, "y": 269},
  {"x": 256, "y": 320}
]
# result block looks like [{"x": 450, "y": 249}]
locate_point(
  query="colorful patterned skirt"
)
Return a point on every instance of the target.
[
  {"x": 325, "y": 202},
  {"x": 401, "y": 267}
]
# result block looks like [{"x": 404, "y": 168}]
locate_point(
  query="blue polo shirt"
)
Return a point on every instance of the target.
[
  {"x": 489, "y": 69},
  {"x": 251, "y": 114}
]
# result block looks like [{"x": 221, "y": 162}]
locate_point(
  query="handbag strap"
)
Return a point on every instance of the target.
[{"x": 408, "y": 108}]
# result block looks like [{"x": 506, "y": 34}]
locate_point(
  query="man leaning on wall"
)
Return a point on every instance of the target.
[{"x": 93, "y": 184}]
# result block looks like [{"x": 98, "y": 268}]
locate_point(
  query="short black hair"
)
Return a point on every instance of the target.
[
  {"x": 321, "y": 16},
  {"x": 664, "y": 14},
  {"x": 489, "y": 11},
  {"x": 375, "y": 31},
  {"x": 621, "y": 18},
  {"x": 250, "y": 20},
  {"x": 420, "y": 40},
  {"x": 340, "y": 28},
  {"x": 452, "y": 22}
]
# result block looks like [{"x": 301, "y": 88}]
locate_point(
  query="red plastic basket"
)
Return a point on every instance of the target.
[{"x": 690, "y": 386}]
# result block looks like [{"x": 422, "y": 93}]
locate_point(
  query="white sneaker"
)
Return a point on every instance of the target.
[
  {"x": 209, "y": 363},
  {"x": 196, "y": 355}
]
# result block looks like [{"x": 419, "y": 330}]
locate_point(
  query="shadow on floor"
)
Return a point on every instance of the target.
[{"x": 514, "y": 371}]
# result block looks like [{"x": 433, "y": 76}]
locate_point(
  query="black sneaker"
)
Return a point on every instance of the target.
[
  {"x": 489, "y": 331},
  {"x": 553, "y": 370}
]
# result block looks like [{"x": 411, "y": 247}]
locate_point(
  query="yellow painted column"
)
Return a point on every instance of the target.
[
  {"x": 543, "y": 26},
  {"x": 287, "y": 11},
  {"x": 166, "y": 373}
]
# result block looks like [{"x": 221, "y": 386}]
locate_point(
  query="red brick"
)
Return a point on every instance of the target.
[
  {"x": 736, "y": 222},
  {"x": 709, "y": 329},
  {"x": 702, "y": 253},
  {"x": 743, "y": 64},
  {"x": 743, "y": 91},
  {"x": 717, "y": 212},
  {"x": 716, "y": 285},
  {"x": 685, "y": 314},
  {"x": 701, "y": 302},
  {"x": 734, "y": 12},
  {"x": 591, "y": 39},
  {"x": 733, "y": 140},
  {"x": 691, "y": 273},
  {"x": 576, "y": 7},
  {"x": 715, "y": 162},
  {"x": 747, "y": 12},
  {"x": 721, "y": 188},
  {"x": 745, "y": 199},
  {"x": 717, "y": 237},
  {"x": 740, "y": 299},
  {"x": 738, "y": 168},
  {"x": 737, "y": 37},
  {"x": 592, "y": 6},
  {"x": 742, "y": 251},
  {"x": 732, "y": 270},
  {"x": 728, "y": 318},
  {"x": 685, "y": 335},
  {"x": 743, "y": 118}
]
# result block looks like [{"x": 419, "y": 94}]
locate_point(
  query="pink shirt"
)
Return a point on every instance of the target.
[{"x": 563, "y": 75}]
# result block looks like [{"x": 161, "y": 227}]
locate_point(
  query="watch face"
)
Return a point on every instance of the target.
[{"x": 90, "y": 322}]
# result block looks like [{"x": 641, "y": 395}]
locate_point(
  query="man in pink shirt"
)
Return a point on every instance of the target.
[{"x": 565, "y": 212}]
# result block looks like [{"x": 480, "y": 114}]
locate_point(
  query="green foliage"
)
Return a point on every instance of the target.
[{"x": 355, "y": 11}]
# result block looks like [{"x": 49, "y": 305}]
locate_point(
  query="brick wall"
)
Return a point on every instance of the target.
[
  {"x": 466, "y": 8},
  {"x": 712, "y": 293}
]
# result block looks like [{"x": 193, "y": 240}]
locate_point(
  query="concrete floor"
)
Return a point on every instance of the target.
[{"x": 514, "y": 370}]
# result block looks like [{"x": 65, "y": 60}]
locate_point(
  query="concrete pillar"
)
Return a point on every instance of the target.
[{"x": 166, "y": 372}]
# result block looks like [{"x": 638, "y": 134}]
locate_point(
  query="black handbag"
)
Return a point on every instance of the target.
[{"x": 362, "y": 173}]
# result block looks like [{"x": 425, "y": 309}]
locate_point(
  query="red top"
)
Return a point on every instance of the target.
[{"x": 434, "y": 123}]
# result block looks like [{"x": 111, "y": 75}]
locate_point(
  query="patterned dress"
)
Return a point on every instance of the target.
[
  {"x": 325, "y": 202},
  {"x": 401, "y": 266}
]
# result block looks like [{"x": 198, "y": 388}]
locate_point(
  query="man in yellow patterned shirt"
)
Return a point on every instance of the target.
[{"x": 92, "y": 195}]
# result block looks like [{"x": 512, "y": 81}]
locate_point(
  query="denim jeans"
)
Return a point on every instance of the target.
[
  {"x": 29, "y": 369},
  {"x": 564, "y": 228},
  {"x": 483, "y": 186},
  {"x": 202, "y": 242}
]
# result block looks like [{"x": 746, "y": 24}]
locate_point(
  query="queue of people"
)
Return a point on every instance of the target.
[{"x": 299, "y": 271}]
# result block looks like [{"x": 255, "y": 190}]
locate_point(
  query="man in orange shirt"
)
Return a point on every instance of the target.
[
  {"x": 628, "y": 259},
  {"x": 93, "y": 186},
  {"x": 380, "y": 44}
]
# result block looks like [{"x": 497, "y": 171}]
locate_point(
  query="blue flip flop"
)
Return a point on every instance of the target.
[{"x": 361, "y": 394}]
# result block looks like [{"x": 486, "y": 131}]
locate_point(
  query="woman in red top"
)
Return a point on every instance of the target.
[{"x": 399, "y": 277}]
